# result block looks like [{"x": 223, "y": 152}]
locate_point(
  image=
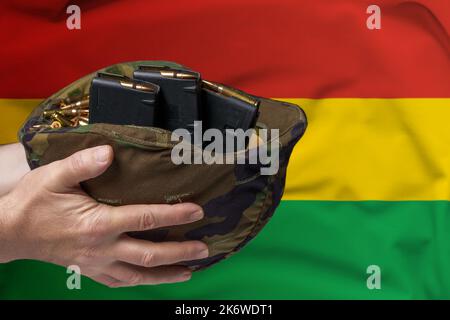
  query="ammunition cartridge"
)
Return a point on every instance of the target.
[
  {"x": 127, "y": 82},
  {"x": 138, "y": 86},
  {"x": 55, "y": 125},
  {"x": 178, "y": 75},
  {"x": 61, "y": 119},
  {"x": 75, "y": 122},
  {"x": 143, "y": 87},
  {"x": 66, "y": 112},
  {"x": 168, "y": 72},
  {"x": 84, "y": 103},
  {"x": 231, "y": 93}
]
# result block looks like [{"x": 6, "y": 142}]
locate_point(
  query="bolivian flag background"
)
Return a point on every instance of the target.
[{"x": 368, "y": 185}]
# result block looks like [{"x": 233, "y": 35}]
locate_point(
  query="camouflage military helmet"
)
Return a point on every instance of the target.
[{"x": 237, "y": 199}]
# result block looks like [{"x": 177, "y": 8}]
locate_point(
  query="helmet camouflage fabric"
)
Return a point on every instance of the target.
[{"x": 236, "y": 198}]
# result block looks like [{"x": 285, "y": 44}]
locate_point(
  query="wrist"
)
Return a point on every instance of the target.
[
  {"x": 8, "y": 244},
  {"x": 13, "y": 166}
]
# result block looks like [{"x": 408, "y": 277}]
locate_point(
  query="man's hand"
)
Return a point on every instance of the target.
[{"x": 48, "y": 217}]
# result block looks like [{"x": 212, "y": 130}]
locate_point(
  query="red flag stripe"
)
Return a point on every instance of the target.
[{"x": 268, "y": 47}]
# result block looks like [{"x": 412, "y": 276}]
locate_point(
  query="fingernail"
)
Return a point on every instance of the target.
[
  {"x": 197, "y": 215},
  {"x": 102, "y": 154},
  {"x": 203, "y": 253},
  {"x": 185, "y": 276}
]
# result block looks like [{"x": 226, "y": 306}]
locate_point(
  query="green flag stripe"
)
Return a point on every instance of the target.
[{"x": 310, "y": 249}]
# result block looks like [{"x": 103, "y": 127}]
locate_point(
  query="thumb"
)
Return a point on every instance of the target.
[{"x": 82, "y": 165}]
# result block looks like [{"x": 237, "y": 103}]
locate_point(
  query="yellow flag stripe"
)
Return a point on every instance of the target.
[
  {"x": 372, "y": 149},
  {"x": 13, "y": 114},
  {"x": 354, "y": 149}
]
